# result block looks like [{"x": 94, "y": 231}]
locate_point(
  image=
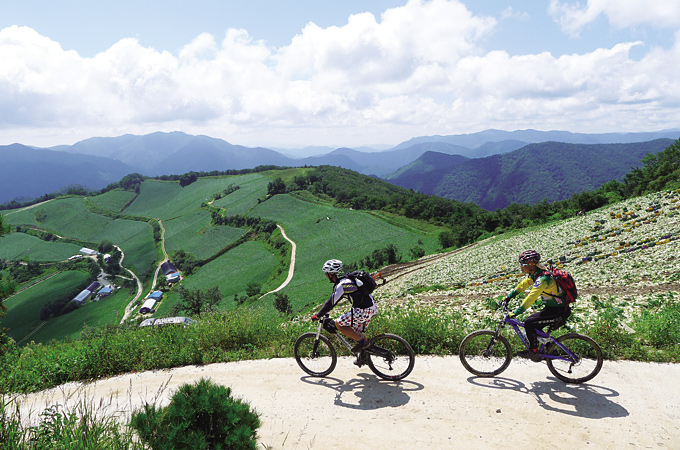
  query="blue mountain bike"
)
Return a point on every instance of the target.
[{"x": 572, "y": 357}]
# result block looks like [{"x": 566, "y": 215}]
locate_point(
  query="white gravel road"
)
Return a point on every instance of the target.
[{"x": 439, "y": 406}]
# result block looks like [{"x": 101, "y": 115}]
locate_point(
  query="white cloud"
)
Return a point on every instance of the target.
[
  {"x": 418, "y": 69},
  {"x": 620, "y": 13}
]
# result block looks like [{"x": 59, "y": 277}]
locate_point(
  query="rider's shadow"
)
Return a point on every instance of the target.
[
  {"x": 368, "y": 391},
  {"x": 582, "y": 400}
]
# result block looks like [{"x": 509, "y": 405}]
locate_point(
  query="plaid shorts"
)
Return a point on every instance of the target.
[{"x": 361, "y": 316}]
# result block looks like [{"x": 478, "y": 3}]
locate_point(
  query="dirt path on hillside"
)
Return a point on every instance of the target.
[
  {"x": 291, "y": 269},
  {"x": 440, "y": 405}
]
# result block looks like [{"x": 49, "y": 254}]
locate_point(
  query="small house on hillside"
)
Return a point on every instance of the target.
[
  {"x": 104, "y": 292},
  {"x": 168, "y": 267},
  {"x": 170, "y": 271},
  {"x": 156, "y": 295},
  {"x": 93, "y": 286},
  {"x": 88, "y": 251}
]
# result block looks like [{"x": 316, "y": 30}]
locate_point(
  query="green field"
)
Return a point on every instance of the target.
[
  {"x": 17, "y": 246},
  {"x": 194, "y": 234},
  {"x": 167, "y": 199},
  {"x": 23, "y": 310},
  {"x": 93, "y": 314},
  {"x": 323, "y": 232},
  {"x": 251, "y": 187},
  {"x": 231, "y": 273},
  {"x": 114, "y": 200}
]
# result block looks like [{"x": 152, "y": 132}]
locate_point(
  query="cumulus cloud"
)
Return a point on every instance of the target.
[
  {"x": 415, "y": 70},
  {"x": 620, "y": 13}
]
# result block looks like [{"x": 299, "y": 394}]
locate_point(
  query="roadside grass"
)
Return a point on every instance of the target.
[
  {"x": 194, "y": 234},
  {"x": 23, "y": 309},
  {"x": 260, "y": 333},
  {"x": 17, "y": 246}
]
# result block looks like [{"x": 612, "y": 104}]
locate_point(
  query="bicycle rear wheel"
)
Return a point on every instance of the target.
[
  {"x": 584, "y": 367},
  {"x": 316, "y": 357},
  {"x": 390, "y": 357},
  {"x": 484, "y": 354}
]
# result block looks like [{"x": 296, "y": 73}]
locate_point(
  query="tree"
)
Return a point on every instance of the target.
[
  {"x": 276, "y": 187},
  {"x": 197, "y": 302}
]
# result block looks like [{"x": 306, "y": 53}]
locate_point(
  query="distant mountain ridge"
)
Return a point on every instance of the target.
[
  {"x": 175, "y": 153},
  {"x": 28, "y": 173},
  {"x": 549, "y": 170}
]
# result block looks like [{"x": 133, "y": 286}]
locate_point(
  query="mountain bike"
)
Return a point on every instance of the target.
[
  {"x": 389, "y": 356},
  {"x": 572, "y": 357}
]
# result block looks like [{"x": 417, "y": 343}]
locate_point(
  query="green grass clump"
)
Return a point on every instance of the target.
[{"x": 78, "y": 429}]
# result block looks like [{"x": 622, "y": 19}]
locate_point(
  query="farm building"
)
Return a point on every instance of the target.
[
  {"x": 148, "y": 306},
  {"x": 168, "y": 267},
  {"x": 170, "y": 271},
  {"x": 88, "y": 251},
  {"x": 104, "y": 292},
  {"x": 86, "y": 293},
  {"x": 107, "y": 257},
  {"x": 156, "y": 295},
  {"x": 80, "y": 298}
]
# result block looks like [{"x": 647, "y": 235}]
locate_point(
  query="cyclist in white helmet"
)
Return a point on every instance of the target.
[{"x": 354, "y": 322}]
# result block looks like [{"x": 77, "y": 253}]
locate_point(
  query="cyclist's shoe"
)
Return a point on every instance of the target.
[
  {"x": 359, "y": 362},
  {"x": 530, "y": 354},
  {"x": 362, "y": 344}
]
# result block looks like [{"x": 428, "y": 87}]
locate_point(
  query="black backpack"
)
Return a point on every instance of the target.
[{"x": 363, "y": 280}]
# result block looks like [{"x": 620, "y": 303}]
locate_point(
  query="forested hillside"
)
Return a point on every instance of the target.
[{"x": 549, "y": 171}]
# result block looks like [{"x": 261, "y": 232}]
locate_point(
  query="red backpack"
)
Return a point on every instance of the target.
[{"x": 565, "y": 283}]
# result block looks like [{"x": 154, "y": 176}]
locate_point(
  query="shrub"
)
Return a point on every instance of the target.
[
  {"x": 200, "y": 416},
  {"x": 282, "y": 303}
]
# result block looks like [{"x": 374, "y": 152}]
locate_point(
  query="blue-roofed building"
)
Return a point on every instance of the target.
[{"x": 156, "y": 295}]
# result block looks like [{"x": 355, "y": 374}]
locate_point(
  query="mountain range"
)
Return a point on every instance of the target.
[
  {"x": 29, "y": 172},
  {"x": 546, "y": 171}
]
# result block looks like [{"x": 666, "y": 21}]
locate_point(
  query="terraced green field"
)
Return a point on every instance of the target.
[
  {"x": 23, "y": 313},
  {"x": 324, "y": 232},
  {"x": 194, "y": 234},
  {"x": 23, "y": 246},
  {"x": 107, "y": 311},
  {"x": 115, "y": 200},
  {"x": 231, "y": 272}
]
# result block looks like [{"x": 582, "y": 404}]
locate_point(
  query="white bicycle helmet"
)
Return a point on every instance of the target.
[{"x": 332, "y": 266}]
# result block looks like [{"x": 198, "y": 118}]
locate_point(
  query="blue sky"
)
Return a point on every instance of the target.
[{"x": 335, "y": 73}]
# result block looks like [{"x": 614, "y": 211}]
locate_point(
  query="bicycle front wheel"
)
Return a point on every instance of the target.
[
  {"x": 585, "y": 363},
  {"x": 390, "y": 357},
  {"x": 317, "y": 357},
  {"x": 484, "y": 354}
]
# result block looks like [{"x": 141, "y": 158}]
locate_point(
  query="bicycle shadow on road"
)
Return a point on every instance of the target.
[
  {"x": 368, "y": 391},
  {"x": 582, "y": 400}
]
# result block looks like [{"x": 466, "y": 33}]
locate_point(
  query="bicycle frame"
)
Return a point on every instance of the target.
[
  {"x": 543, "y": 339},
  {"x": 372, "y": 349}
]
